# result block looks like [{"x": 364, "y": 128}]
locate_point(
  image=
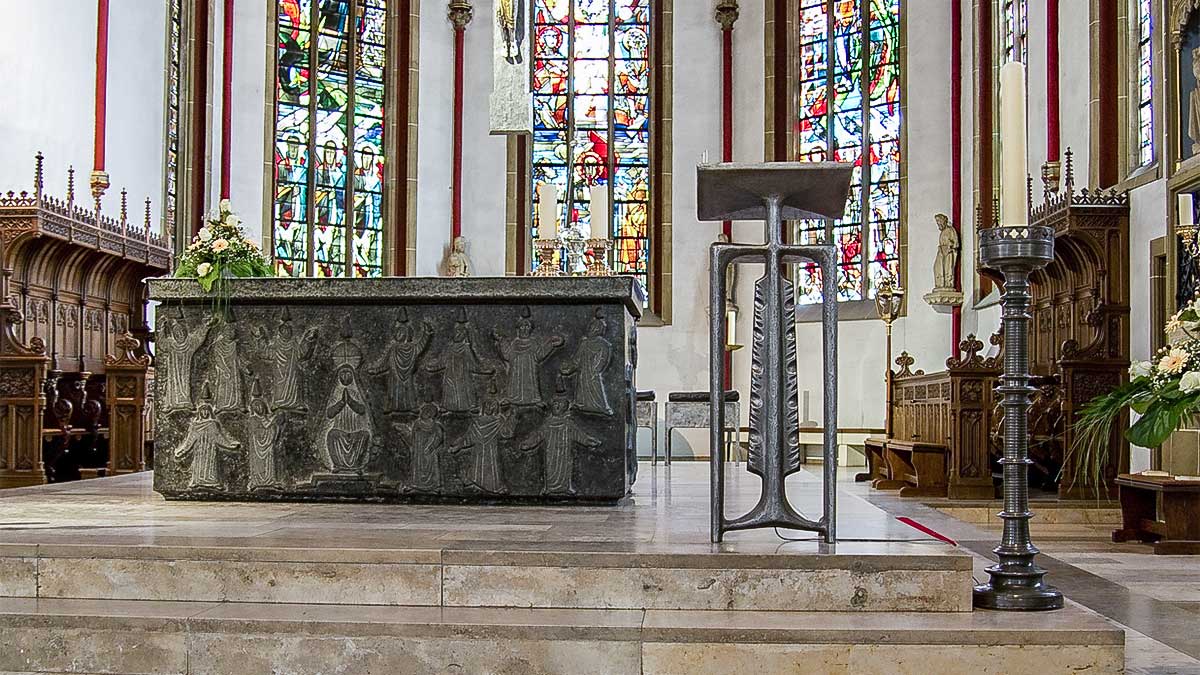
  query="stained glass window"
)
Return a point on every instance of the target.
[
  {"x": 1145, "y": 87},
  {"x": 174, "y": 65},
  {"x": 329, "y": 152},
  {"x": 849, "y": 110},
  {"x": 1015, "y": 30},
  {"x": 591, "y": 118}
]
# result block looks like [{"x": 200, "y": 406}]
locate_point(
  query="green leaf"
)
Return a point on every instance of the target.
[
  {"x": 1155, "y": 425},
  {"x": 206, "y": 281}
]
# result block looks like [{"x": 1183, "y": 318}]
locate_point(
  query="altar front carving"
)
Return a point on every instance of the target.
[{"x": 408, "y": 389}]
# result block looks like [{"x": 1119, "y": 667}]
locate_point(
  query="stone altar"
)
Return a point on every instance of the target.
[{"x": 397, "y": 389}]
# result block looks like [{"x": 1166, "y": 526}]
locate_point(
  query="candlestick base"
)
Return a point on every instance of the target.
[
  {"x": 547, "y": 250},
  {"x": 597, "y": 265}
]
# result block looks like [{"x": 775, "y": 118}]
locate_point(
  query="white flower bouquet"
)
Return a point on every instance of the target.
[
  {"x": 1164, "y": 391},
  {"x": 220, "y": 250}
]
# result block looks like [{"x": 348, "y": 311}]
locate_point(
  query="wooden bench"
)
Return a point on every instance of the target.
[
  {"x": 1177, "y": 532},
  {"x": 874, "y": 448},
  {"x": 916, "y": 468}
]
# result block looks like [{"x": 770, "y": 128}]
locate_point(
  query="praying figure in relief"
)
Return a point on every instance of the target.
[
  {"x": 588, "y": 364},
  {"x": 203, "y": 443},
  {"x": 425, "y": 439},
  {"x": 482, "y": 441},
  {"x": 262, "y": 437},
  {"x": 347, "y": 429},
  {"x": 177, "y": 348},
  {"x": 459, "y": 363},
  {"x": 399, "y": 363},
  {"x": 287, "y": 352},
  {"x": 524, "y": 355},
  {"x": 558, "y": 437}
]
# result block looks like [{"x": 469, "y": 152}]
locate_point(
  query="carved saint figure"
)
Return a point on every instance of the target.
[
  {"x": 558, "y": 437},
  {"x": 262, "y": 437},
  {"x": 947, "y": 254},
  {"x": 178, "y": 347},
  {"x": 523, "y": 355},
  {"x": 591, "y": 358},
  {"x": 287, "y": 351},
  {"x": 459, "y": 363},
  {"x": 347, "y": 431},
  {"x": 510, "y": 14},
  {"x": 399, "y": 363},
  {"x": 204, "y": 440},
  {"x": 223, "y": 372},
  {"x": 457, "y": 263},
  {"x": 482, "y": 439},
  {"x": 1194, "y": 105},
  {"x": 425, "y": 440}
]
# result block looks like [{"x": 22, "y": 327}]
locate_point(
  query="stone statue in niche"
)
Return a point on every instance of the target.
[
  {"x": 523, "y": 355},
  {"x": 510, "y": 15},
  {"x": 204, "y": 440},
  {"x": 399, "y": 363},
  {"x": 1194, "y": 104},
  {"x": 287, "y": 352},
  {"x": 457, "y": 263},
  {"x": 177, "y": 349},
  {"x": 945, "y": 275},
  {"x": 558, "y": 437},
  {"x": 482, "y": 441},
  {"x": 459, "y": 363},
  {"x": 262, "y": 436},
  {"x": 588, "y": 364},
  {"x": 223, "y": 371},
  {"x": 425, "y": 438},
  {"x": 346, "y": 435}
]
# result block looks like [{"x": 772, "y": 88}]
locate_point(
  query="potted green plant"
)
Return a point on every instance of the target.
[{"x": 221, "y": 250}]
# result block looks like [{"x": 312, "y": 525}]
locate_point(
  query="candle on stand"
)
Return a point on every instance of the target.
[
  {"x": 1187, "y": 216},
  {"x": 1014, "y": 194},
  {"x": 547, "y": 211},
  {"x": 599, "y": 212}
]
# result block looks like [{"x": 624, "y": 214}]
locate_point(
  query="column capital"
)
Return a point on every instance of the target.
[
  {"x": 459, "y": 13},
  {"x": 727, "y": 13}
]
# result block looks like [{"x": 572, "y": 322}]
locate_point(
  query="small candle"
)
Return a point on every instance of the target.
[
  {"x": 704, "y": 157},
  {"x": 547, "y": 211},
  {"x": 1014, "y": 196},
  {"x": 599, "y": 212},
  {"x": 1187, "y": 216}
]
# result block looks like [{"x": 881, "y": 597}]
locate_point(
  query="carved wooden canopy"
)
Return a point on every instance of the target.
[{"x": 1181, "y": 13}]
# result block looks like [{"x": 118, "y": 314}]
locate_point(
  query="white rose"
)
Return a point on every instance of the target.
[
  {"x": 205, "y": 234},
  {"x": 224, "y": 207},
  {"x": 232, "y": 220},
  {"x": 202, "y": 269},
  {"x": 1141, "y": 369},
  {"x": 1189, "y": 382}
]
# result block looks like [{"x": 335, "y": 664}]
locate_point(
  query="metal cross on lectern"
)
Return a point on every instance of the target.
[{"x": 773, "y": 192}]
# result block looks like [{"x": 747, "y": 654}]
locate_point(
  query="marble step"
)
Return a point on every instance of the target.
[
  {"x": 857, "y": 577},
  {"x": 199, "y": 638}
]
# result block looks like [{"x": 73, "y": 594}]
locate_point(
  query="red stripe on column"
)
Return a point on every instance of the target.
[
  {"x": 456, "y": 178},
  {"x": 1052, "y": 116},
  {"x": 727, "y": 144},
  {"x": 956, "y": 219},
  {"x": 101, "y": 83},
  {"x": 226, "y": 98}
]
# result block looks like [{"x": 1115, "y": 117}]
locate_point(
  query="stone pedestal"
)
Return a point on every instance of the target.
[{"x": 483, "y": 389}]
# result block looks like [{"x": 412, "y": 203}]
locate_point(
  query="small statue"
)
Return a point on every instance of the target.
[
  {"x": 457, "y": 264},
  {"x": 1194, "y": 105},
  {"x": 945, "y": 276}
]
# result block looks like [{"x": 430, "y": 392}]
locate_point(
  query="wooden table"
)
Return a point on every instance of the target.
[{"x": 1178, "y": 531}]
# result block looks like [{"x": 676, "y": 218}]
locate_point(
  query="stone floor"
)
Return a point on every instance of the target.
[{"x": 1155, "y": 598}]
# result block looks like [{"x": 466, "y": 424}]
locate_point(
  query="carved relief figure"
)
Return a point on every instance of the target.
[
  {"x": 591, "y": 358},
  {"x": 459, "y": 363},
  {"x": 175, "y": 356},
  {"x": 523, "y": 355},
  {"x": 482, "y": 439},
  {"x": 425, "y": 440},
  {"x": 457, "y": 263},
  {"x": 558, "y": 438},
  {"x": 287, "y": 351},
  {"x": 262, "y": 436},
  {"x": 223, "y": 372},
  {"x": 947, "y": 254},
  {"x": 1194, "y": 105},
  {"x": 399, "y": 363},
  {"x": 347, "y": 431},
  {"x": 204, "y": 441}
]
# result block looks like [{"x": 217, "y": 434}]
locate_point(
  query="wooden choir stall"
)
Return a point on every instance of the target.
[
  {"x": 74, "y": 368},
  {"x": 945, "y": 430}
]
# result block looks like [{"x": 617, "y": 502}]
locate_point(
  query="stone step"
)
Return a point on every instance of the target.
[
  {"x": 199, "y": 638},
  {"x": 857, "y": 577}
]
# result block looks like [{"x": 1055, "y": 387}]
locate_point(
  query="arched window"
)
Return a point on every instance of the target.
[
  {"x": 1015, "y": 30},
  {"x": 1144, "y": 84},
  {"x": 849, "y": 109},
  {"x": 598, "y": 121},
  {"x": 329, "y": 216}
]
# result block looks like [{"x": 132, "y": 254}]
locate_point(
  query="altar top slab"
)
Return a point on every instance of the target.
[
  {"x": 414, "y": 290},
  {"x": 733, "y": 191}
]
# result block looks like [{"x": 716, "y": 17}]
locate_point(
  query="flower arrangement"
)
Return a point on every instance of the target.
[
  {"x": 1165, "y": 391},
  {"x": 220, "y": 250}
]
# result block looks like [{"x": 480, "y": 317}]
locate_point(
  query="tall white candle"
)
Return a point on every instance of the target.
[
  {"x": 1014, "y": 195},
  {"x": 1187, "y": 216},
  {"x": 547, "y": 211},
  {"x": 599, "y": 212}
]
